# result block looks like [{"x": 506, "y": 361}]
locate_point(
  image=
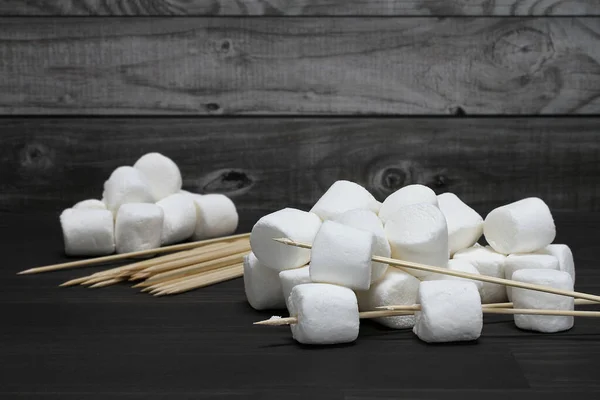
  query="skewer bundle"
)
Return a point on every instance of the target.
[{"x": 188, "y": 266}]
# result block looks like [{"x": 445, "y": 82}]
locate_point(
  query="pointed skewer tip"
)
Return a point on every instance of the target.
[{"x": 283, "y": 240}]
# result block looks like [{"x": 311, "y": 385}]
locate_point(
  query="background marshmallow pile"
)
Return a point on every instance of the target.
[
  {"x": 327, "y": 287},
  {"x": 142, "y": 208}
]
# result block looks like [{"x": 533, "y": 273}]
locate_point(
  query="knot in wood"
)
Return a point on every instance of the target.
[
  {"x": 523, "y": 50},
  {"x": 36, "y": 156},
  {"x": 226, "y": 181}
]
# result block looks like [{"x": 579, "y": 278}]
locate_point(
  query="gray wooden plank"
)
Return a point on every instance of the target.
[
  {"x": 47, "y": 164},
  {"x": 304, "y": 7},
  {"x": 300, "y": 66}
]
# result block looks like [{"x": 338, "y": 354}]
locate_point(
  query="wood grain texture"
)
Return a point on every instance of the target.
[
  {"x": 47, "y": 164},
  {"x": 112, "y": 343},
  {"x": 300, "y": 66},
  {"x": 300, "y": 7}
]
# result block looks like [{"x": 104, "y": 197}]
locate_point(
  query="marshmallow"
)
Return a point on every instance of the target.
[
  {"x": 515, "y": 262},
  {"x": 287, "y": 223},
  {"x": 138, "y": 227},
  {"x": 216, "y": 216},
  {"x": 524, "y": 298},
  {"x": 460, "y": 266},
  {"x": 344, "y": 196},
  {"x": 397, "y": 288},
  {"x": 342, "y": 255},
  {"x": 489, "y": 263},
  {"x": 179, "y": 218},
  {"x": 406, "y": 196},
  {"x": 88, "y": 232},
  {"x": 90, "y": 204},
  {"x": 450, "y": 312},
  {"x": 367, "y": 220},
  {"x": 327, "y": 314},
  {"x": 126, "y": 185},
  {"x": 418, "y": 233},
  {"x": 291, "y": 278},
  {"x": 161, "y": 173},
  {"x": 262, "y": 285},
  {"x": 465, "y": 226},
  {"x": 520, "y": 227},
  {"x": 564, "y": 255}
]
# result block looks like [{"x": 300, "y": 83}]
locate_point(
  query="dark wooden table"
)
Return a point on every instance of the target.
[{"x": 80, "y": 343}]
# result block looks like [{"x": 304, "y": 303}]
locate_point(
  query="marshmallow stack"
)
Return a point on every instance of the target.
[
  {"x": 412, "y": 224},
  {"x": 156, "y": 207}
]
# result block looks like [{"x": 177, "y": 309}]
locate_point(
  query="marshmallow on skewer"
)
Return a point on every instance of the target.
[
  {"x": 395, "y": 287},
  {"x": 90, "y": 204},
  {"x": 564, "y": 255},
  {"x": 138, "y": 227},
  {"x": 450, "y": 312},
  {"x": 344, "y": 196},
  {"x": 524, "y": 226},
  {"x": 418, "y": 233},
  {"x": 179, "y": 219},
  {"x": 88, "y": 232},
  {"x": 126, "y": 185},
  {"x": 490, "y": 263},
  {"x": 291, "y": 278},
  {"x": 515, "y": 262},
  {"x": 406, "y": 196},
  {"x": 161, "y": 173},
  {"x": 342, "y": 255},
  {"x": 287, "y": 223},
  {"x": 531, "y": 299},
  {"x": 367, "y": 220},
  {"x": 262, "y": 285},
  {"x": 465, "y": 226},
  {"x": 216, "y": 216},
  {"x": 327, "y": 314}
]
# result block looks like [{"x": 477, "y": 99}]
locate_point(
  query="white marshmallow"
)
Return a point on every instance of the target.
[
  {"x": 524, "y": 298},
  {"x": 138, "y": 226},
  {"x": 262, "y": 285},
  {"x": 418, "y": 233},
  {"x": 216, "y": 216},
  {"x": 162, "y": 174},
  {"x": 342, "y": 255},
  {"x": 90, "y": 204},
  {"x": 397, "y": 288},
  {"x": 88, "y": 232},
  {"x": 406, "y": 196},
  {"x": 515, "y": 262},
  {"x": 291, "y": 278},
  {"x": 564, "y": 255},
  {"x": 460, "y": 266},
  {"x": 520, "y": 227},
  {"x": 489, "y": 263},
  {"x": 126, "y": 185},
  {"x": 344, "y": 196},
  {"x": 179, "y": 218},
  {"x": 465, "y": 226},
  {"x": 367, "y": 220},
  {"x": 287, "y": 223},
  {"x": 327, "y": 314},
  {"x": 450, "y": 312}
]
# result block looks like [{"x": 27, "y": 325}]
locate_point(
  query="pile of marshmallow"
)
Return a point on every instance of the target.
[
  {"x": 143, "y": 208},
  {"x": 326, "y": 287}
]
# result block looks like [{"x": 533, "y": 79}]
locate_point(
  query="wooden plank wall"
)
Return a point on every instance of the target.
[{"x": 272, "y": 101}]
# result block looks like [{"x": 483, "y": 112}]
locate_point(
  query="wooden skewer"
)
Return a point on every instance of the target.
[
  {"x": 510, "y": 305},
  {"x": 206, "y": 281},
  {"x": 195, "y": 268},
  {"x": 199, "y": 277},
  {"x": 444, "y": 271},
  {"x": 189, "y": 261},
  {"x": 107, "y": 282},
  {"x": 116, "y": 257},
  {"x": 407, "y": 310}
]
